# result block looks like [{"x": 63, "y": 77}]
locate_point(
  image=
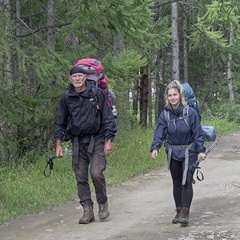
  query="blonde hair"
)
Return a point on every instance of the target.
[{"x": 175, "y": 84}]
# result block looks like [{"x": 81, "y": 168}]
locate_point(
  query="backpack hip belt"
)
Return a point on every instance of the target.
[
  {"x": 75, "y": 147},
  {"x": 186, "y": 160}
]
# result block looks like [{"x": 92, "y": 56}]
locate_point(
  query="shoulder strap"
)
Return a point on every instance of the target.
[
  {"x": 166, "y": 114},
  {"x": 186, "y": 115},
  {"x": 94, "y": 88},
  {"x": 66, "y": 96}
]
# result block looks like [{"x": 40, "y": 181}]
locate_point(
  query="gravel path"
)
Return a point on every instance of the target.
[{"x": 143, "y": 207}]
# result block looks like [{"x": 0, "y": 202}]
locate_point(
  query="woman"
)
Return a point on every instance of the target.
[{"x": 184, "y": 145}]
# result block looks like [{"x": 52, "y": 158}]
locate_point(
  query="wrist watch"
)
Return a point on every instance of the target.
[{"x": 110, "y": 140}]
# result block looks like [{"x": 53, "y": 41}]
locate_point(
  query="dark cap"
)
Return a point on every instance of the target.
[{"x": 77, "y": 69}]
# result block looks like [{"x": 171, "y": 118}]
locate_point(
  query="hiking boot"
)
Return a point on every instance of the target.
[
  {"x": 184, "y": 215},
  {"x": 88, "y": 214},
  {"x": 176, "y": 219},
  {"x": 103, "y": 211}
]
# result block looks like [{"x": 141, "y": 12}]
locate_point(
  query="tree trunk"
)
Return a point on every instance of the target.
[
  {"x": 144, "y": 81},
  {"x": 159, "y": 77},
  {"x": 51, "y": 42},
  {"x": 210, "y": 88},
  {"x": 135, "y": 97},
  {"x": 150, "y": 96},
  {"x": 185, "y": 48},
  {"x": 118, "y": 43},
  {"x": 8, "y": 61},
  {"x": 159, "y": 85},
  {"x": 51, "y": 8},
  {"x": 18, "y": 25},
  {"x": 229, "y": 70},
  {"x": 1, "y": 60},
  {"x": 175, "y": 42}
]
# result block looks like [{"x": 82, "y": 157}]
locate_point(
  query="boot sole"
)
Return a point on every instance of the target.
[
  {"x": 101, "y": 218},
  {"x": 86, "y": 222},
  {"x": 183, "y": 223}
]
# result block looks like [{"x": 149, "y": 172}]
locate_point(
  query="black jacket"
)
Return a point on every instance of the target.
[{"x": 84, "y": 114}]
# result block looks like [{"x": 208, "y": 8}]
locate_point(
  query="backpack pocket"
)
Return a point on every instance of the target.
[{"x": 209, "y": 133}]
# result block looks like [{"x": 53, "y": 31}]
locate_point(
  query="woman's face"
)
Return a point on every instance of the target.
[{"x": 173, "y": 97}]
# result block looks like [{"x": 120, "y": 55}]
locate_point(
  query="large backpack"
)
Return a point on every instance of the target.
[
  {"x": 209, "y": 132},
  {"x": 191, "y": 98},
  {"x": 94, "y": 70}
]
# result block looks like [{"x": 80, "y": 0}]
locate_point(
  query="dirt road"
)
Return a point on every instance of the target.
[{"x": 143, "y": 207}]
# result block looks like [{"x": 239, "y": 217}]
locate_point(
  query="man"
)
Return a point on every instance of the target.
[{"x": 84, "y": 116}]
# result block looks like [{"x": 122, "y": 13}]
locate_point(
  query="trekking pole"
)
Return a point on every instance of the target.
[
  {"x": 49, "y": 161},
  {"x": 207, "y": 152},
  {"x": 194, "y": 166}
]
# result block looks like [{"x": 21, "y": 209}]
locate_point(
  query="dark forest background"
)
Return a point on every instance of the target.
[{"x": 142, "y": 44}]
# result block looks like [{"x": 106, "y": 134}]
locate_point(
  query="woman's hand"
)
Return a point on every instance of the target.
[
  {"x": 202, "y": 156},
  {"x": 154, "y": 154}
]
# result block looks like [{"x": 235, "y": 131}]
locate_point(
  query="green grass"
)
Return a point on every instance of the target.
[
  {"x": 25, "y": 190},
  {"x": 223, "y": 127},
  {"x": 132, "y": 156}
]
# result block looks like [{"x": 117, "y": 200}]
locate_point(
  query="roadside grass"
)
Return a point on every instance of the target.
[
  {"x": 25, "y": 190},
  {"x": 131, "y": 156}
]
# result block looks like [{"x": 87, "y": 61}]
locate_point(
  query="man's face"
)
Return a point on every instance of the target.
[{"x": 78, "y": 79}]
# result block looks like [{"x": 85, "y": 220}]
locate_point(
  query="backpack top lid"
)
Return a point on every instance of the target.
[
  {"x": 92, "y": 67},
  {"x": 188, "y": 91},
  {"x": 191, "y": 98},
  {"x": 91, "y": 63}
]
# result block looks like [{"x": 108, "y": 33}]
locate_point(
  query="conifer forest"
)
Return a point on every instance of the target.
[{"x": 143, "y": 45}]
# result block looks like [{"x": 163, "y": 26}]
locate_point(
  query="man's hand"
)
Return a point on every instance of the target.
[
  {"x": 108, "y": 148},
  {"x": 58, "y": 149},
  {"x": 154, "y": 154}
]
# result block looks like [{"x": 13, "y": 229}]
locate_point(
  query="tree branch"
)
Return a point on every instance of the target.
[{"x": 38, "y": 29}]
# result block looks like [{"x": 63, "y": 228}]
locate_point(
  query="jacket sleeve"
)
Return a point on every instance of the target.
[
  {"x": 108, "y": 121},
  {"x": 160, "y": 133},
  {"x": 197, "y": 133},
  {"x": 61, "y": 118}
]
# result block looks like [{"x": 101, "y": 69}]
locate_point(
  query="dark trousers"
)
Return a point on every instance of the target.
[
  {"x": 182, "y": 194},
  {"x": 96, "y": 163}
]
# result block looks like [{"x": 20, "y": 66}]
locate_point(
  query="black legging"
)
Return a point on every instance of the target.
[{"x": 182, "y": 194}]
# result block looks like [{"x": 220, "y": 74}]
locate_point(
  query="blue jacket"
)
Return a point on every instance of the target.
[{"x": 178, "y": 132}]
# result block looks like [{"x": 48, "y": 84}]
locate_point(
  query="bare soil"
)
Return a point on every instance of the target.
[{"x": 142, "y": 208}]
